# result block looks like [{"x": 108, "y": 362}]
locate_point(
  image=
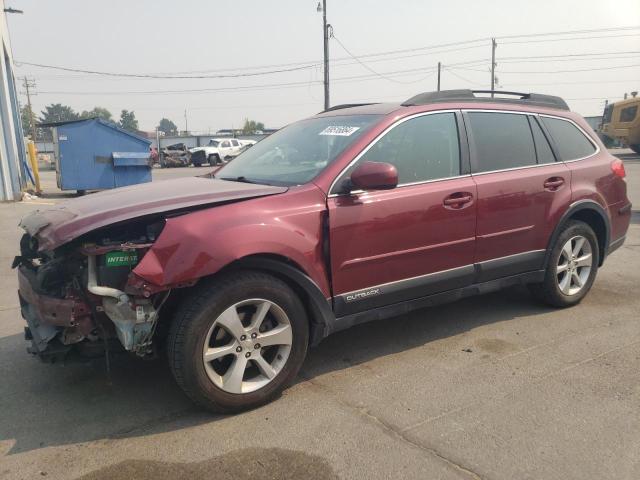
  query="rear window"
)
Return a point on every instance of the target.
[
  {"x": 571, "y": 142},
  {"x": 501, "y": 141},
  {"x": 628, "y": 114}
]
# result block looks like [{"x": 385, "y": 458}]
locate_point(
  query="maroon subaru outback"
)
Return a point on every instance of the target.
[{"x": 360, "y": 213}]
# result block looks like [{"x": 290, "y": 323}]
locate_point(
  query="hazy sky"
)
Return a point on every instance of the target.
[{"x": 230, "y": 37}]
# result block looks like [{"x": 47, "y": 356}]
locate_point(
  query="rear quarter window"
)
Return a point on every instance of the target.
[{"x": 572, "y": 144}]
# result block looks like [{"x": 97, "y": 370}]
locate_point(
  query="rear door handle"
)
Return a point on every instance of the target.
[
  {"x": 458, "y": 200},
  {"x": 553, "y": 183}
]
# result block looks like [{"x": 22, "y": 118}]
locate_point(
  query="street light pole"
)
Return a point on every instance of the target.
[{"x": 325, "y": 32}]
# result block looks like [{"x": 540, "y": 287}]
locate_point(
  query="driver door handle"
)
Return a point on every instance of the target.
[{"x": 458, "y": 200}]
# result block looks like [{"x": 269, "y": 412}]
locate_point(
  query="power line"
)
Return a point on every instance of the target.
[
  {"x": 573, "y": 38},
  {"x": 269, "y": 86},
  {"x": 590, "y": 59},
  {"x": 558, "y": 71},
  {"x": 313, "y": 64},
  {"x": 570, "y": 32},
  {"x": 367, "y": 67},
  {"x": 579, "y": 82},
  {"x": 568, "y": 55},
  {"x": 450, "y": 70},
  {"x": 149, "y": 75}
]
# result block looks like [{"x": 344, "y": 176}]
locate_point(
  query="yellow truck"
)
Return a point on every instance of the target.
[{"x": 621, "y": 121}]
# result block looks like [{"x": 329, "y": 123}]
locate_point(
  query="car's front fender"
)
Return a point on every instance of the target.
[{"x": 202, "y": 243}]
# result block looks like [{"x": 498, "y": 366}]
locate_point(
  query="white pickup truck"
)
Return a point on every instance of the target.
[{"x": 219, "y": 150}]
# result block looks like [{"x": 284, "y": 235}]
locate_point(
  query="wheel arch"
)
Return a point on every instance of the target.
[
  {"x": 319, "y": 311},
  {"x": 594, "y": 215}
]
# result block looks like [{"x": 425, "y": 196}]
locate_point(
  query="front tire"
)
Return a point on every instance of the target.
[
  {"x": 236, "y": 343},
  {"x": 571, "y": 267}
]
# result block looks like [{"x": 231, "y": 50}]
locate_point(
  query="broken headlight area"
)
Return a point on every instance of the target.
[{"x": 74, "y": 298}]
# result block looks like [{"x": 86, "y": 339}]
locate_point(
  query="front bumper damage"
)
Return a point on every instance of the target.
[
  {"x": 84, "y": 316},
  {"x": 47, "y": 317}
]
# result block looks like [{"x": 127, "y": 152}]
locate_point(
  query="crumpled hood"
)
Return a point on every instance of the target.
[{"x": 68, "y": 220}]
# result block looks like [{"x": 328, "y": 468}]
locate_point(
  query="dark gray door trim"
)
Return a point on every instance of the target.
[{"x": 411, "y": 288}]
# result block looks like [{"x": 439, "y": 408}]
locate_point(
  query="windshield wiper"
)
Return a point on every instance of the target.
[{"x": 241, "y": 178}]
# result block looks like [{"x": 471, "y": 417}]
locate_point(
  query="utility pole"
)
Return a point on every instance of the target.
[
  {"x": 493, "y": 65},
  {"x": 439, "y": 76},
  {"x": 27, "y": 84},
  {"x": 31, "y": 146},
  {"x": 186, "y": 123},
  {"x": 325, "y": 32}
]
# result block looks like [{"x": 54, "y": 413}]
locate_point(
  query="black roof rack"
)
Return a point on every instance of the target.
[
  {"x": 346, "y": 105},
  {"x": 536, "y": 99}
]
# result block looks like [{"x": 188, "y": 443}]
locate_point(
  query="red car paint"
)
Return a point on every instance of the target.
[
  {"x": 69, "y": 220},
  {"x": 201, "y": 243},
  {"x": 374, "y": 237},
  {"x": 383, "y": 236}
]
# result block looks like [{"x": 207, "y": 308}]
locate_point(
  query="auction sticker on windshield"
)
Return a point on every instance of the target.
[{"x": 340, "y": 131}]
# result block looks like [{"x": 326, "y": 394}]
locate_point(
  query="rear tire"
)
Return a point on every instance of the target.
[
  {"x": 254, "y": 330},
  {"x": 571, "y": 267}
]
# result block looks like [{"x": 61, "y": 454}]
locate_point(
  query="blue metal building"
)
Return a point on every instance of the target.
[
  {"x": 93, "y": 154},
  {"x": 13, "y": 160}
]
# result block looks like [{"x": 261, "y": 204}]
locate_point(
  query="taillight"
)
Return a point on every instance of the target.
[{"x": 617, "y": 167}]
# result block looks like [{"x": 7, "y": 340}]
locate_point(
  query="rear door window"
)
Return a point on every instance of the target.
[
  {"x": 501, "y": 141},
  {"x": 543, "y": 149},
  {"x": 572, "y": 144}
]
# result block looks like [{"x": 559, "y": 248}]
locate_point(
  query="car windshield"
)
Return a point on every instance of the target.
[
  {"x": 299, "y": 152},
  {"x": 213, "y": 143}
]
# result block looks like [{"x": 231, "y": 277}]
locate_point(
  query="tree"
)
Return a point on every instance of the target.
[
  {"x": 251, "y": 126},
  {"x": 168, "y": 127},
  {"x": 128, "y": 121},
  {"x": 98, "y": 112},
  {"x": 26, "y": 117},
  {"x": 56, "y": 112}
]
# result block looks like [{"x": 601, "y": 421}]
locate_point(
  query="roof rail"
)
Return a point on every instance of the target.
[
  {"x": 346, "y": 105},
  {"x": 536, "y": 99}
]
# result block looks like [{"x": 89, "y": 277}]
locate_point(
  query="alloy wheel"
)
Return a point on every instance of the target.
[
  {"x": 574, "y": 265},
  {"x": 247, "y": 346}
]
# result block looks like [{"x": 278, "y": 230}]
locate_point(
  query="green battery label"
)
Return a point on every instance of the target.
[{"x": 121, "y": 259}]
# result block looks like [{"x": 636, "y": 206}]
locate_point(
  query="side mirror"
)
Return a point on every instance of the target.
[{"x": 374, "y": 176}]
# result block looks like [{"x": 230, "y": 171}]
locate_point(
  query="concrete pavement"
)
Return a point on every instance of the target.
[{"x": 492, "y": 387}]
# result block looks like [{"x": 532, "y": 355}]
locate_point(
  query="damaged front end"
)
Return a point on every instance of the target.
[{"x": 82, "y": 297}]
